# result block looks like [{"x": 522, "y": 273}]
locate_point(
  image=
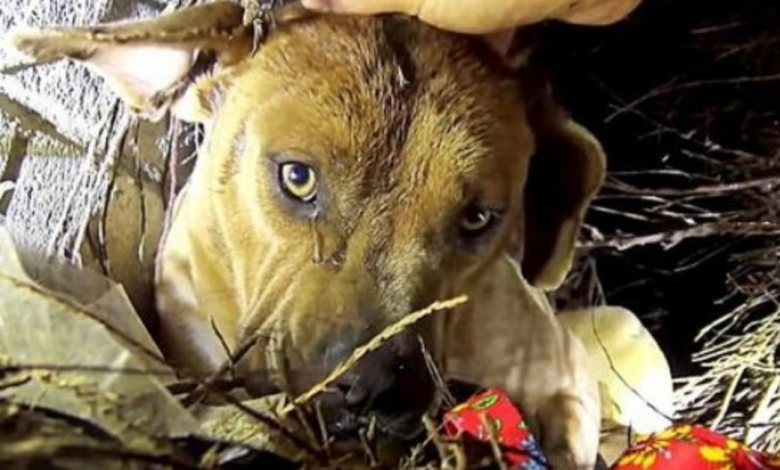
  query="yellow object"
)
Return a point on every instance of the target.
[{"x": 634, "y": 377}]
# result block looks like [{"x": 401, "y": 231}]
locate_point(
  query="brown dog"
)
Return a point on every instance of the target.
[{"x": 355, "y": 170}]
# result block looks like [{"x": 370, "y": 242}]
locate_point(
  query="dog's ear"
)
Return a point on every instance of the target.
[
  {"x": 179, "y": 61},
  {"x": 564, "y": 174}
]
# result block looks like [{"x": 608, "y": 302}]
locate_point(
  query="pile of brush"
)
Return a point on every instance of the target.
[{"x": 685, "y": 97}]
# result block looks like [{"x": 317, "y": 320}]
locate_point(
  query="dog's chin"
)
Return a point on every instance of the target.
[
  {"x": 342, "y": 424},
  {"x": 398, "y": 432},
  {"x": 405, "y": 428}
]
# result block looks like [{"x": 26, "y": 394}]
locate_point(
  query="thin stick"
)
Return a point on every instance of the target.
[
  {"x": 494, "y": 446},
  {"x": 203, "y": 389},
  {"x": 727, "y": 399},
  {"x": 277, "y": 426}
]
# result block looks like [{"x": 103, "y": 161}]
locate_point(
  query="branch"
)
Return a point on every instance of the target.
[
  {"x": 20, "y": 142},
  {"x": 763, "y": 183},
  {"x": 671, "y": 238},
  {"x": 33, "y": 121}
]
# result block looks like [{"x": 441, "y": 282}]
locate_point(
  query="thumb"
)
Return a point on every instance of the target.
[{"x": 365, "y": 7}]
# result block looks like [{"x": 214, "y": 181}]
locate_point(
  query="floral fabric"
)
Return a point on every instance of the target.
[
  {"x": 686, "y": 447},
  {"x": 521, "y": 451},
  {"x": 696, "y": 448}
]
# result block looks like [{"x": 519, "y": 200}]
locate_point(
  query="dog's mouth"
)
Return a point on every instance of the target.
[
  {"x": 353, "y": 431},
  {"x": 392, "y": 414},
  {"x": 350, "y": 432},
  {"x": 383, "y": 397},
  {"x": 405, "y": 427}
]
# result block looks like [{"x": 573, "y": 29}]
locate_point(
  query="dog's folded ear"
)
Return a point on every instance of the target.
[
  {"x": 178, "y": 61},
  {"x": 565, "y": 173}
]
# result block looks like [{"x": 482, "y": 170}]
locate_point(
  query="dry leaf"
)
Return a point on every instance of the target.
[{"x": 88, "y": 324}]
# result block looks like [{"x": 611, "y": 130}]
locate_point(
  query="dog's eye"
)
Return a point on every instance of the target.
[
  {"x": 476, "y": 220},
  {"x": 298, "y": 180}
]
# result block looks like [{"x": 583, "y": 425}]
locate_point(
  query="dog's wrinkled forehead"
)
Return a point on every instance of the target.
[{"x": 381, "y": 100}]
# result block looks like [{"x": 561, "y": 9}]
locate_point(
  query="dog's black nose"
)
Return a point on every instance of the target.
[{"x": 355, "y": 390}]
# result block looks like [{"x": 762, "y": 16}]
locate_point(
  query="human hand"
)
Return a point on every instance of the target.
[{"x": 476, "y": 17}]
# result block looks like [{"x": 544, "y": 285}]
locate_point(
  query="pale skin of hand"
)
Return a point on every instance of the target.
[{"x": 496, "y": 20}]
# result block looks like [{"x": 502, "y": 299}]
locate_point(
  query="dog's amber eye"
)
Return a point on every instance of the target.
[
  {"x": 298, "y": 180},
  {"x": 476, "y": 220}
]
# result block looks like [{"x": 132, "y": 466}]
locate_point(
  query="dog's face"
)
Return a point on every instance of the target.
[
  {"x": 381, "y": 162},
  {"x": 358, "y": 169}
]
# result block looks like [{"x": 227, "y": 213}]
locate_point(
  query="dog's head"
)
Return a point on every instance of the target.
[{"x": 361, "y": 168}]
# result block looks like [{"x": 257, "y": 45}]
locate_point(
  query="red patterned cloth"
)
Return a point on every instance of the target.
[
  {"x": 679, "y": 447},
  {"x": 520, "y": 449},
  {"x": 696, "y": 448}
]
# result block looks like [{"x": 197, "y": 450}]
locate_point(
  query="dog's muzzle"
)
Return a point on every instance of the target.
[{"x": 392, "y": 386}]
